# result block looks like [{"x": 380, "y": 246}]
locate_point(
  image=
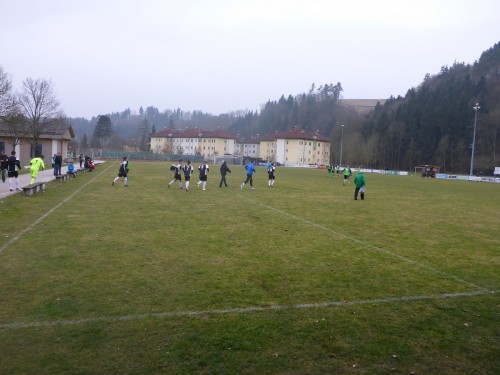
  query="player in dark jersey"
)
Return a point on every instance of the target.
[
  {"x": 271, "y": 170},
  {"x": 203, "y": 168},
  {"x": 177, "y": 174},
  {"x": 13, "y": 167},
  {"x": 188, "y": 171},
  {"x": 122, "y": 172}
]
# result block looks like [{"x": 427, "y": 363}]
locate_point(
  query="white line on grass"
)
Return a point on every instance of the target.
[
  {"x": 238, "y": 310},
  {"x": 35, "y": 223},
  {"x": 365, "y": 244}
]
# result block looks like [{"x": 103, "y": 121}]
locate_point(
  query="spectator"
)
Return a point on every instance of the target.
[{"x": 3, "y": 164}]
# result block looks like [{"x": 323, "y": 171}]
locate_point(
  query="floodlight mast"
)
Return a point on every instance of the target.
[
  {"x": 341, "y": 144},
  {"x": 476, "y": 108}
]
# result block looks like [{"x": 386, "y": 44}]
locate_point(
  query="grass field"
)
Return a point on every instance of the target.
[{"x": 296, "y": 279}]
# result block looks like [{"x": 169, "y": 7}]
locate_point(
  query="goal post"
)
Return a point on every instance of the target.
[{"x": 229, "y": 159}]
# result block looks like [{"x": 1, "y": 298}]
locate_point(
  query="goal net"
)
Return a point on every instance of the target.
[{"x": 229, "y": 159}]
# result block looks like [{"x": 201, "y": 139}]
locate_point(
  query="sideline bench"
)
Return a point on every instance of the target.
[
  {"x": 37, "y": 187},
  {"x": 62, "y": 177}
]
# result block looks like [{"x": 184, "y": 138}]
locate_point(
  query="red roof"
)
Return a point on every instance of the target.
[
  {"x": 194, "y": 133},
  {"x": 298, "y": 134}
]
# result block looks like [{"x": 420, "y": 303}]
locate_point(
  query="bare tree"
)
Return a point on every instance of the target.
[
  {"x": 14, "y": 128},
  {"x": 5, "y": 93},
  {"x": 10, "y": 121},
  {"x": 37, "y": 102}
]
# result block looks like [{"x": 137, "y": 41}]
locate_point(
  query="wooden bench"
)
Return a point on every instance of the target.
[
  {"x": 37, "y": 187},
  {"x": 62, "y": 177}
]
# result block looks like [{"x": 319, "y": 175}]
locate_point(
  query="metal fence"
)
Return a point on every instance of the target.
[{"x": 144, "y": 155}]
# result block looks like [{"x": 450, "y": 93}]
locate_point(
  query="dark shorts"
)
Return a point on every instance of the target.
[
  {"x": 122, "y": 174},
  {"x": 178, "y": 177},
  {"x": 13, "y": 174},
  {"x": 203, "y": 178},
  {"x": 187, "y": 178}
]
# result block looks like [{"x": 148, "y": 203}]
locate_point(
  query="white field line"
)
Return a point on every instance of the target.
[
  {"x": 238, "y": 310},
  {"x": 369, "y": 246},
  {"x": 35, "y": 223}
]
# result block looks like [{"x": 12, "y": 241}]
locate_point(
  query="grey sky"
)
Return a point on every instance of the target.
[{"x": 218, "y": 56}]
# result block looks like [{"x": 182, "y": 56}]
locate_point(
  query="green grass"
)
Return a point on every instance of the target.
[{"x": 297, "y": 279}]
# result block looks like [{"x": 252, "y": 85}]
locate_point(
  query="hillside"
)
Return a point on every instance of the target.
[{"x": 361, "y": 106}]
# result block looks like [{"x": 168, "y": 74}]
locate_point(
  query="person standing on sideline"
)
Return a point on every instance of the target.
[
  {"x": 13, "y": 167},
  {"x": 57, "y": 164},
  {"x": 122, "y": 172},
  {"x": 203, "y": 168},
  {"x": 35, "y": 165},
  {"x": 177, "y": 174},
  {"x": 271, "y": 172},
  {"x": 3, "y": 164},
  {"x": 250, "y": 168},
  {"x": 224, "y": 169},
  {"x": 188, "y": 171},
  {"x": 80, "y": 159},
  {"x": 359, "y": 182}
]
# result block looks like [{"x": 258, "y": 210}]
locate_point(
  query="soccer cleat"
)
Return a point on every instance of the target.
[
  {"x": 241, "y": 186},
  {"x": 11, "y": 190},
  {"x": 253, "y": 188},
  {"x": 112, "y": 183},
  {"x": 168, "y": 186}
]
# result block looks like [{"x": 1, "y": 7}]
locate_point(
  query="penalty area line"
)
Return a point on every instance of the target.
[
  {"x": 240, "y": 310},
  {"x": 370, "y": 246}
]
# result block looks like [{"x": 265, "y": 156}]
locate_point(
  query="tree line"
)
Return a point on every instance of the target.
[{"x": 432, "y": 124}]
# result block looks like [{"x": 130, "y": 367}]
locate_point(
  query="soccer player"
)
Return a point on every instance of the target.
[
  {"x": 203, "y": 168},
  {"x": 35, "y": 165},
  {"x": 188, "y": 171},
  {"x": 13, "y": 167},
  {"x": 271, "y": 172},
  {"x": 347, "y": 173},
  {"x": 122, "y": 172},
  {"x": 177, "y": 174},
  {"x": 250, "y": 168}
]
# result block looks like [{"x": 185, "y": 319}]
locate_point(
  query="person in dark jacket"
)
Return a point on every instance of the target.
[
  {"x": 3, "y": 165},
  {"x": 224, "y": 169},
  {"x": 57, "y": 164}
]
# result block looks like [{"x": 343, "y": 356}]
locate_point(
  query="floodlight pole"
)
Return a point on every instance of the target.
[
  {"x": 341, "y": 144},
  {"x": 476, "y": 108}
]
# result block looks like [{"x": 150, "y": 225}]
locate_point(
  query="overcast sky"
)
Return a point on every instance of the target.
[{"x": 226, "y": 55}]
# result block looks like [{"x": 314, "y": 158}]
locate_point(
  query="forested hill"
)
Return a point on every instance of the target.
[
  {"x": 431, "y": 124},
  {"x": 434, "y": 122}
]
